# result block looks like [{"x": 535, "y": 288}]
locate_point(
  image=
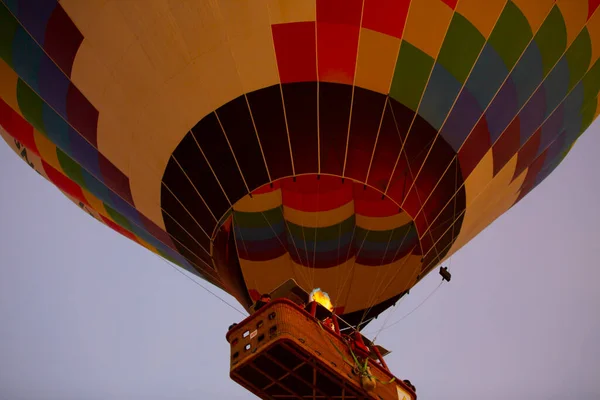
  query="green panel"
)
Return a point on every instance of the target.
[
  {"x": 398, "y": 234},
  {"x": 118, "y": 218},
  {"x": 71, "y": 168},
  {"x": 587, "y": 116},
  {"x": 552, "y": 39},
  {"x": 579, "y": 57},
  {"x": 332, "y": 232},
  {"x": 258, "y": 219},
  {"x": 31, "y": 106},
  {"x": 511, "y": 35},
  {"x": 461, "y": 47},
  {"x": 413, "y": 68},
  {"x": 8, "y": 27},
  {"x": 591, "y": 84}
]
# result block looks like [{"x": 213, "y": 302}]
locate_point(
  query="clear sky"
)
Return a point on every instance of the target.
[{"x": 87, "y": 314}]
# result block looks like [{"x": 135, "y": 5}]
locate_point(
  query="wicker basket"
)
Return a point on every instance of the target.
[{"x": 282, "y": 352}]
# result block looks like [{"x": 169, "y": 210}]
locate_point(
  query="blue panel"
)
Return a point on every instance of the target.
[
  {"x": 323, "y": 246},
  {"x": 56, "y": 129},
  {"x": 502, "y": 110},
  {"x": 556, "y": 85},
  {"x": 27, "y": 57},
  {"x": 97, "y": 188},
  {"x": 34, "y": 16},
  {"x": 532, "y": 115},
  {"x": 462, "y": 120},
  {"x": 528, "y": 73},
  {"x": 53, "y": 85},
  {"x": 573, "y": 111},
  {"x": 84, "y": 153},
  {"x": 12, "y": 5},
  {"x": 125, "y": 209},
  {"x": 551, "y": 129},
  {"x": 487, "y": 76},
  {"x": 260, "y": 233},
  {"x": 555, "y": 149},
  {"x": 439, "y": 96}
]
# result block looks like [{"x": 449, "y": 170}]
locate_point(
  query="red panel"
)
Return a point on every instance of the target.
[
  {"x": 386, "y": 16},
  {"x": 345, "y": 12},
  {"x": 474, "y": 148},
  {"x": 17, "y": 127},
  {"x": 82, "y": 115},
  {"x": 507, "y": 145},
  {"x": 157, "y": 232},
  {"x": 528, "y": 152},
  {"x": 310, "y": 194},
  {"x": 450, "y": 3},
  {"x": 592, "y": 6},
  {"x": 63, "y": 183},
  {"x": 337, "y": 47},
  {"x": 115, "y": 179},
  {"x": 368, "y": 202},
  {"x": 62, "y": 39},
  {"x": 295, "y": 48},
  {"x": 119, "y": 229}
]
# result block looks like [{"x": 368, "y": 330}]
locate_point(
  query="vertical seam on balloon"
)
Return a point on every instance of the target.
[
  {"x": 101, "y": 179},
  {"x": 488, "y": 106},
  {"x": 237, "y": 71},
  {"x": 194, "y": 186},
  {"x": 519, "y": 111},
  {"x": 416, "y": 112},
  {"x": 482, "y": 116},
  {"x": 232, "y": 152},
  {"x": 387, "y": 99},
  {"x": 318, "y": 91},
  {"x": 211, "y": 168},
  {"x": 438, "y": 134},
  {"x": 362, "y": 9},
  {"x": 287, "y": 129},
  {"x": 527, "y": 141},
  {"x": 190, "y": 214},
  {"x": 257, "y": 137}
]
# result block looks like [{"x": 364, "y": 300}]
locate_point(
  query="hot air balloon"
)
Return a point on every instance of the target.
[{"x": 347, "y": 145}]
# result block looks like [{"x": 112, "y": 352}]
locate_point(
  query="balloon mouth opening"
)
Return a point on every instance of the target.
[{"x": 321, "y": 297}]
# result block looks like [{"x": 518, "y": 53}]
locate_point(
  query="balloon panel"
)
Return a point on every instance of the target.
[{"x": 220, "y": 135}]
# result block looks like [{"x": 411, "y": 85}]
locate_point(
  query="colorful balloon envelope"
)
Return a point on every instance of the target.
[{"x": 351, "y": 145}]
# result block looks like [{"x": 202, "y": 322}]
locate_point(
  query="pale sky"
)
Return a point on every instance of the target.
[{"x": 87, "y": 314}]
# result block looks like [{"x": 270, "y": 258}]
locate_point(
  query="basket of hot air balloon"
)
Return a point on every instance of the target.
[
  {"x": 286, "y": 348},
  {"x": 351, "y": 145}
]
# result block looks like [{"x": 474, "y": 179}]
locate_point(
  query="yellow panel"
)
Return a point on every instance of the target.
[
  {"x": 535, "y": 11},
  {"x": 83, "y": 13},
  {"x": 255, "y": 59},
  {"x": 8, "y": 86},
  {"x": 377, "y": 54},
  {"x": 482, "y": 14},
  {"x": 593, "y": 26},
  {"x": 47, "y": 150},
  {"x": 427, "y": 24},
  {"x": 319, "y": 219},
  {"x": 157, "y": 32},
  {"x": 31, "y": 157},
  {"x": 382, "y": 223},
  {"x": 493, "y": 200},
  {"x": 145, "y": 185},
  {"x": 200, "y": 26},
  {"x": 369, "y": 288},
  {"x": 259, "y": 202},
  {"x": 265, "y": 276},
  {"x": 480, "y": 177},
  {"x": 575, "y": 14},
  {"x": 285, "y": 11},
  {"x": 95, "y": 203},
  {"x": 93, "y": 21}
]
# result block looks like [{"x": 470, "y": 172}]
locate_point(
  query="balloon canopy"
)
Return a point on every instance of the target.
[{"x": 351, "y": 145}]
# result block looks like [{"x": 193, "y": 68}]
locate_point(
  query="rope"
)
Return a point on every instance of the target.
[
  {"x": 383, "y": 327},
  {"x": 178, "y": 269}
]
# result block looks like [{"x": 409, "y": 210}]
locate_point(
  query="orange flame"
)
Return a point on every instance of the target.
[{"x": 322, "y": 298}]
